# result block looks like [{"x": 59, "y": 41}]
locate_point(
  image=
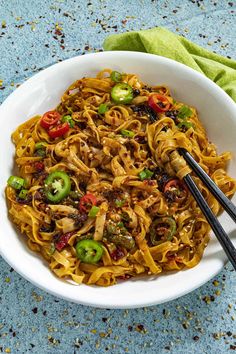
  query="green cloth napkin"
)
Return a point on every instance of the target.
[{"x": 162, "y": 42}]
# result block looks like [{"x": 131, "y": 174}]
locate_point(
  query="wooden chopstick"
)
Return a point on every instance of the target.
[
  {"x": 218, "y": 230},
  {"x": 225, "y": 202}
]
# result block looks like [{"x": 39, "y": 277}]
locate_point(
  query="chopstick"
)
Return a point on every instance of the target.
[
  {"x": 225, "y": 202},
  {"x": 218, "y": 230}
]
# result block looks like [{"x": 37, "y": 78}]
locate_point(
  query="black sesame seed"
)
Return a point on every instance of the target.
[
  {"x": 196, "y": 338},
  {"x": 35, "y": 310}
]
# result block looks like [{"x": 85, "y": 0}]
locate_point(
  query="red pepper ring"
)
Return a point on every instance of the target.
[
  {"x": 58, "y": 130},
  {"x": 87, "y": 201},
  {"x": 159, "y": 103},
  {"x": 177, "y": 189},
  {"x": 49, "y": 119},
  {"x": 63, "y": 240}
]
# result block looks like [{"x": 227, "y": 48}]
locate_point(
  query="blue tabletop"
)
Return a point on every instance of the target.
[{"x": 33, "y": 35}]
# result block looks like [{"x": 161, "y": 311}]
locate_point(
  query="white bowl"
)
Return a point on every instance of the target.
[{"x": 41, "y": 93}]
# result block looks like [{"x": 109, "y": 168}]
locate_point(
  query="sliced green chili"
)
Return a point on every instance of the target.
[
  {"x": 127, "y": 133},
  {"x": 67, "y": 118},
  {"x": 40, "y": 145},
  {"x": 16, "y": 182},
  {"x": 119, "y": 235},
  {"x": 122, "y": 93},
  {"x": 102, "y": 108},
  {"x": 89, "y": 251},
  {"x": 57, "y": 186},
  {"x": 116, "y": 76},
  {"x": 93, "y": 211},
  {"x": 23, "y": 194},
  {"x": 162, "y": 229},
  {"x": 145, "y": 174}
]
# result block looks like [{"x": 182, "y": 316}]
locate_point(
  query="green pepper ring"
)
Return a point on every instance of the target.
[
  {"x": 165, "y": 220},
  {"x": 62, "y": 191},
  {"x": 89, "y": 251},
  {"x": 122, "y": 93}
]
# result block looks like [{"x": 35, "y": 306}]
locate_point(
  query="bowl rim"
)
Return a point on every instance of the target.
[{"x": 6, "y": 254}]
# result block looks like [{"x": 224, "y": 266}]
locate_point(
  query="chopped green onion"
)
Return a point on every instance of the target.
[
  {"x": 127, "y": 133},
  {"x": 23, "y": 194},
  {"x": 69, "y": 120},
  {"x": 120, "y": 224},
  {"x": 186, "y": 124},
  {"x": 102, "y": 108},
  {"x": 93, "y": 211},
  {"x": 16, "y": 182},
  {"x": 40, "y": 153},
  {"x": 145, "y": 174},
  {"x": 119, "y": 203},
  {"x": 184, "y": 112},
  {"x": 40, "y": 145},
  {"x": 52, "y": 249},
  {"x": 116, "y": 76}
]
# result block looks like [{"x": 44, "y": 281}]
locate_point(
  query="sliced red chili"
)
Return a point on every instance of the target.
[
  {"x": 62, "y": 242},
  {"x": 159, "y": 103},
  {"x": 58, "y": 130},
  {"x": 49, "y": 119},
  {"x": 175, "y": 190},
  {"x": 117, "y": 254},
  {"x": 162, "y": 229},
  {"x": 87, "y": 201},
  {"x": 39, "y": 166}
]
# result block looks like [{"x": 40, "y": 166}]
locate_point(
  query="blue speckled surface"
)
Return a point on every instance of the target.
[{"x": 30, "y": 319}]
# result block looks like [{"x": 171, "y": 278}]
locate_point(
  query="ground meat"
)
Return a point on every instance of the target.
[
  {"x": 26, "y": 200},
  {"x": 141, "y": 139},
  {"x": 172, "y": 114},
  {"x": 40, "y": 176},
  {"x": 117, "y": 254},
  {"x": 82, "y": 125},
  {"x": 47, "y": 228},
  {"x": 161, "y": 176},
  {"x": 112, "y": 194},
  {"x": 170, "y": 196},
  {"x": 147, "y": 88},
  {"x": 136, "y": 92},
  {"x": 83, "y": 186},
  {"x": 79, "y": 219},
  {"x": 143, "y": 109},
  {"x": 40, "y": 195}
]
